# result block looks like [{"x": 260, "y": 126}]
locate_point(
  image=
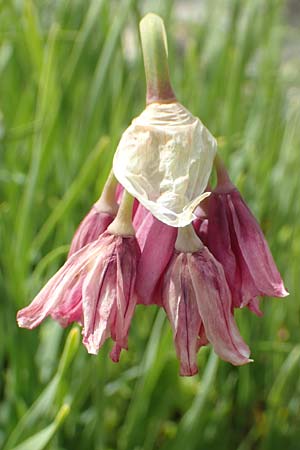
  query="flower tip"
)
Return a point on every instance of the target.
[
  {"x": 151, "y": 17},
  {"x": 90, "y": 345},
  {"x": 283, "y": 291},
  {"x": 280, "y": 291},
  {"x": 115, "y": 353},
  {"x": 25, "y": 322},
  {"x": 21, "y": 322},
  {"x": 242, "y": 361},
  {"x": 188, "y": 371}
]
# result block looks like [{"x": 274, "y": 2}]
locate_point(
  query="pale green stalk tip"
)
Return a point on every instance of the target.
[{"x": 155, "y": 53}]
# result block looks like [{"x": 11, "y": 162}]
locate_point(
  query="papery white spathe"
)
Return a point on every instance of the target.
[{"x": 164, "y": 159}]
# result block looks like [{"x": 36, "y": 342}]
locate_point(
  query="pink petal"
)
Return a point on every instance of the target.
[
  {"x": 254, "y": 249},
  {"x": 201, "y": 228},
  {"x": 236, "y": 240},
  {"x": 115, "y": 353},
  {"x": 219, "y": 243},
  {"x": 91, "y": 227},
  {"x": 214, "y": 304},
  {"x": 57, "y": 291},
  {"x": 181, "y": 308},
  {"x": 99, "y": 303},
  {"x": 70, "y": 307},
  {"x": 140, "y": 215},
  {"x": 156, "y": 241},
  {"x": 108, "y": 292},
  {"x": 253, "y": 306}
]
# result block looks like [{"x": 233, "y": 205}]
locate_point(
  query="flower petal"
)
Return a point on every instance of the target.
[
  {"x": 91, "y": 227},
  {"x": 255, "y": 249},
  {"x": 58, "y": 290},
  {"x": 181, "y": 308},
  {"x": 108, "y": 296},
  {"x": 214, "y": 305},
  {"x": 156, "y": 241}
]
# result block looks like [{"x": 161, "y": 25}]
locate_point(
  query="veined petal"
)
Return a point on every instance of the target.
[
  {"x": 220, "y": 244},
  {"x": 214, "y": 305},
  {"x": 181, "y": 307},
  {"x": 69, "y": 309},
  {"x": 253, "y": 305},
  {"x": 255, "y": 249},
  {"x": 91, "y": 227},
  {"x": 99, "y": 302},
  {"x": 108, "y": 296},
  {"x": 156, "y": 241},
  {"x": 128, "y": 255},
  {"x": 50, "y": 298}
]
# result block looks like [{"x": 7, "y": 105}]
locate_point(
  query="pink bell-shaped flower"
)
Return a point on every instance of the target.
[
  {"x": 197, "y": 301},
  {"x": 238, "y": 243},
  {"x": 95, "y": 287}
]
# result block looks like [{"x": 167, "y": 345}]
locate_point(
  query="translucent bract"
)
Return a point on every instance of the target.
[{"x": 164, "y": 159}]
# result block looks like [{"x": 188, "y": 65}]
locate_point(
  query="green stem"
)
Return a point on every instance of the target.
[
  {"x": 155, "y": 53},
  {"x": 107, "y": 202},
  {"x": 122, "y": 225},
  {"x": 187, "y": 240}
]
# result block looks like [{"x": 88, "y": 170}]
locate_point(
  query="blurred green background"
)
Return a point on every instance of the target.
[{"x": 71, "y": 81}]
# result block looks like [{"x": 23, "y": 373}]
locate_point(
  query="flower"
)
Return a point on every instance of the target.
[
  {"x": 147, "y": 240},
  {"x": 164, "y": 159},
  {"x": 236, "y": 240},
  {"x": 95, "y": 287},
  {"x": 108, "y": 296},
  {"x": 197, "y": 301}
]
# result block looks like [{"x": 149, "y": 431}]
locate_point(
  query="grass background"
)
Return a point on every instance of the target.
[{"x": 71, "y": 81}]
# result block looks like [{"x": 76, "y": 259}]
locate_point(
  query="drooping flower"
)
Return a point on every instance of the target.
[
  {"x": 95, "y": 287},
  {"x": 197, "y": 301},
  {"x": 144, "y": 249},
  {"x": 237, "y": 241},
  {"x": 108, "y": 296}
]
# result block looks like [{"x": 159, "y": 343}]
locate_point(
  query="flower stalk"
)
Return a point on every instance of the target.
[
  {"x": 155, "y": 53},
  {"x": 107, "y": 202},
  {"x": 122, "y": 225},
  {"x": 187, "y": 240}
]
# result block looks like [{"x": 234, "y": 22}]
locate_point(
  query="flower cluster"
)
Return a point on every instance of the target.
[{"x": 160, "y": 235}]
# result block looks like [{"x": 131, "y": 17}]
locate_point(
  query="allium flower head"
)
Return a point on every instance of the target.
[{"x": 147, "y": 240}]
